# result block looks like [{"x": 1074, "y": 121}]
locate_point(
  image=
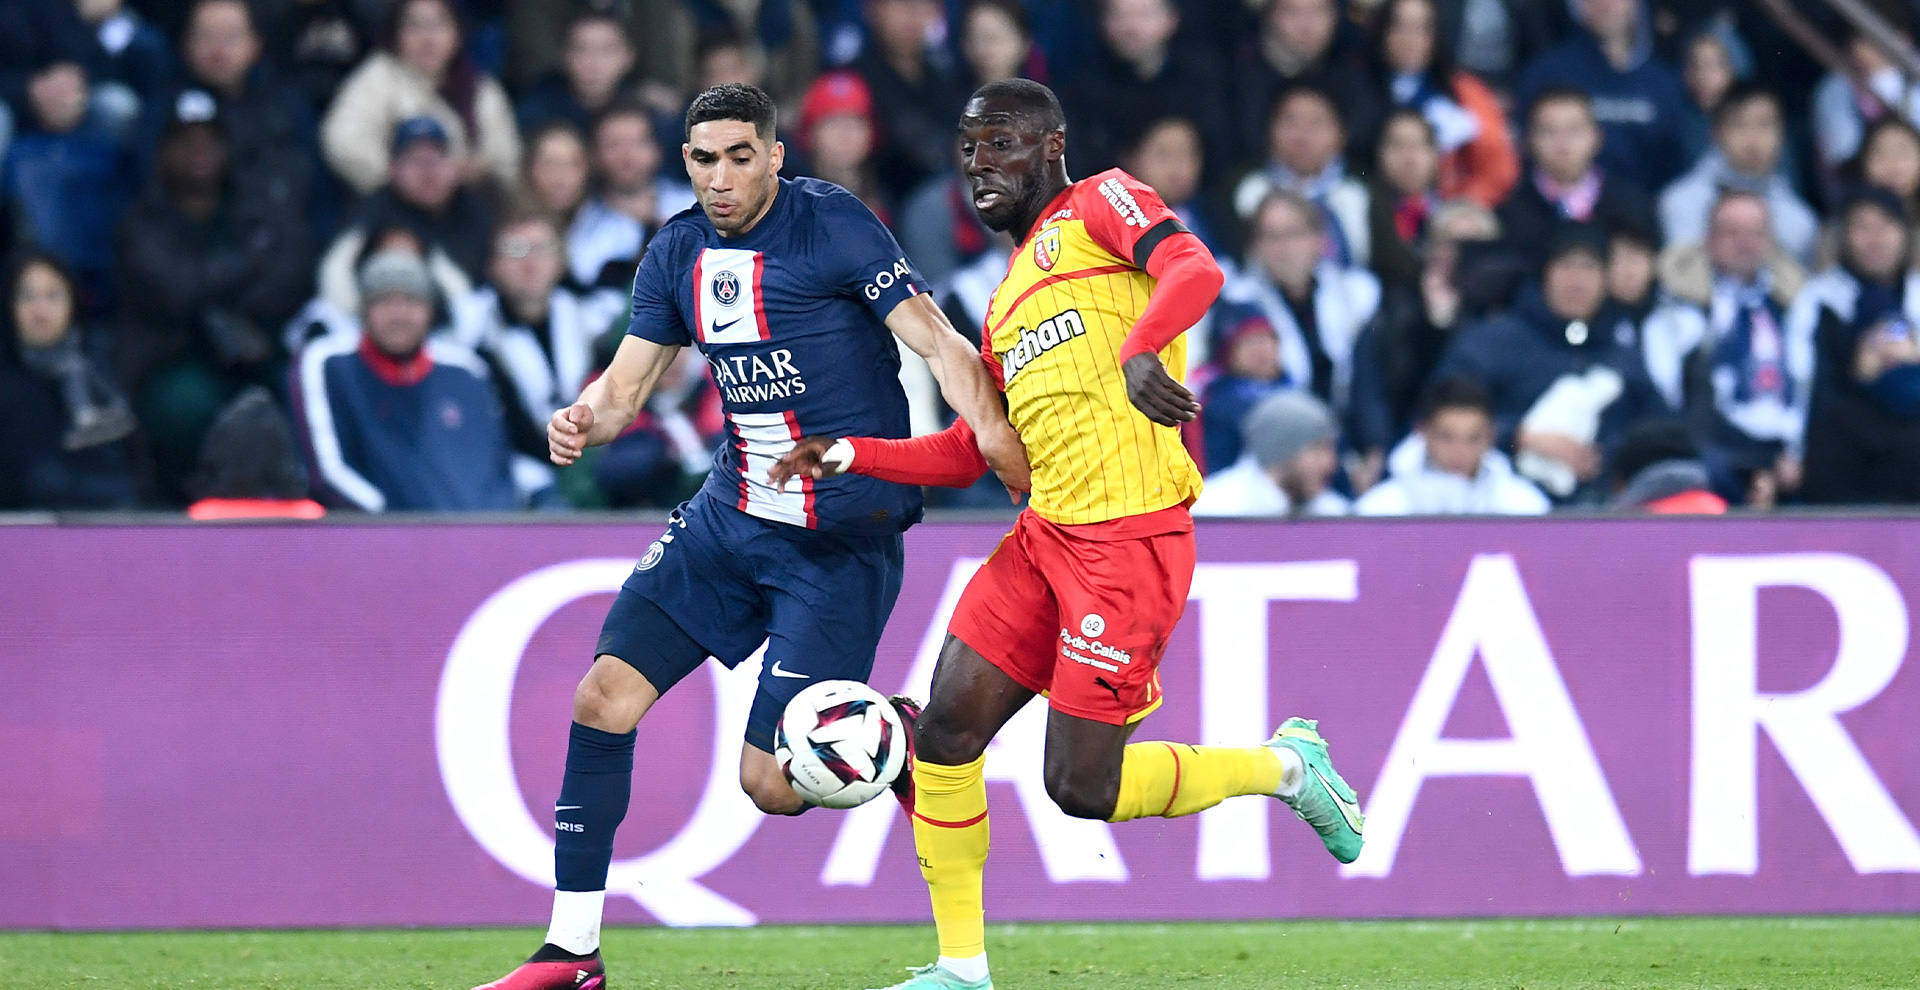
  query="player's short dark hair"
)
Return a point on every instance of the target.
[
  {"x": 1738, "y": 96},
  {"x": 734, "y": 101},
  {"x": 1559, "y": 94},
  {"x": 1455, "y": 393},
  {"x": 1030, "y": 99}
]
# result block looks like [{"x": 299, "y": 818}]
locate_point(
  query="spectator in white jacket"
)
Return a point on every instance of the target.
[
  {"x": 1287, "y": 464},
  {"x": 422, "y": 71},
  {"x": 1749, "y": 133},
  {"x": 1448, "y": 466}
]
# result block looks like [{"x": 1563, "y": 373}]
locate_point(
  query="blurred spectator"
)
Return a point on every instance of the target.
[
  {"x": 1843, "y": 107},
  {"x": 1477, "y": 157},
  {"x": 272, "y": 137},
  {"x": 1863, "y": 430},
  {"x": 632, "y": 200},
  {"x": 1730, "y": 367},
  {"x": 996, "y": 40},
  {"x": 64, "y": 426},
  {"x": 1749, "y": 132},
  {"x": 1564, "y": 386},
  {"x": 250, "y": 467},
  {"x": 64, "y": 183},
  {"x": 783, "y": 36},
  {"x": 1302, "y": 43},
  {"x": 1658, "y": 470},
  {"x": 1314, "y": 308},
  {"x": 837, "y": 137},
  {"x": 128, "y": 59},
  {"x": 316, "y": 43},
  {"x": 1714, "y": 60},
  {"x": 1304, "y": 142},
  {"x": 1638, "y": 101},
  {"x": 421, "y": 70},
  {"x": 395, "y": 421},
  {"x": 555, "y": 183},
  {"x": 1494, "y": 39},
  {"x": 1140, "y": 75},
  {"x": 917, "y": 95},
  {"x": 1563, "y": 182},
  {"x": 1632, "y": 253},
  {"x": 209, "y": 268},
  {"x": 660, "y": 32},
  {"x": 1287, "y": 466},
  {"x": 1395, "y": 356},
  {"x": 1404, "y": 195},
  {"x": 665, "y": 455},
  {"x": 1448, "y": 466},
  {"x": 1246, "y": 369},
  {"x": 1171, "y": 158},
  {"x": 535, "y": 334},
  {"x": 424, "y": 195},
  {"x": 940, "y": 231},
  {"x": 1890, "y": 158},
  {"x": 596, "y": 68}
]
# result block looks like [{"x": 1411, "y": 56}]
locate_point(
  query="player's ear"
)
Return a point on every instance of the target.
[
  {"x": 1056, "y": 144},
  {"x": 778, "y": 156}
]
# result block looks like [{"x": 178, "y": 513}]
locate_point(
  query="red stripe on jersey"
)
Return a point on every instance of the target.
[
  {"x": 699, "y": 279},
  {"x": 1013, "y": 307},
  {"x": 806, "y": 481},
  {"x": 760, "y": 314},
  {"x": 975, "y": 820},
  {"x": 744, "y": 465}
]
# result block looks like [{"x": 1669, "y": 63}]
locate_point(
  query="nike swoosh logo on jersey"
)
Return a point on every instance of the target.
[
  {"x": 777, "y": 672},
  {"x": 565, "y": 807},
  {"x": 1348, "y": 810},
  {"x": 721, "y": 327}
]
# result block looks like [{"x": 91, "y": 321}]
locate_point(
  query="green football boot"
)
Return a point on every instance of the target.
[
  {"x": 1323, "y": 800},
  {"x": 934, "y": 978}
]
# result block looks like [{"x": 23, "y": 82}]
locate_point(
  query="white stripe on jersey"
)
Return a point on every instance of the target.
[
  {"x": 727, "y": 297},
  {"x": 764, "y": 437}
]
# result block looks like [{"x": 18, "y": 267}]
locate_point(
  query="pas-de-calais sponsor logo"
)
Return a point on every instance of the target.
[
  {"x": 476, "y": 755},
  {"x": 1046, "y": 249},
  {"x": 726, "y": 288}
]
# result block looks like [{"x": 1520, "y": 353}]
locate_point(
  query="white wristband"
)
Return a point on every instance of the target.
[{"x": 839, "y": 457}]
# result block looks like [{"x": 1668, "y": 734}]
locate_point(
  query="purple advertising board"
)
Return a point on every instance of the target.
[{"x": 362, "y": 725}]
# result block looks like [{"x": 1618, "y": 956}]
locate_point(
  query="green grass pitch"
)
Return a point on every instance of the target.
[{"x": 1850, "y": 952}]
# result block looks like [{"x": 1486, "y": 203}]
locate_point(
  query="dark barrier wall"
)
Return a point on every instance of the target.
[{"x": 364, "y": 725}]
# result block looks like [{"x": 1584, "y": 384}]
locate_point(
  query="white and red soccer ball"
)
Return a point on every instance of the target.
[{"x": 840, "y": 744}]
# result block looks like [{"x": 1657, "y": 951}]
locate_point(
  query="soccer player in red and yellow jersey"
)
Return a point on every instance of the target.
[{"x": 1079, "y": 600}]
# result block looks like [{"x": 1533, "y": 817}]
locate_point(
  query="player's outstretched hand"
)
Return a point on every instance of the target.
[
  {"x": 567, "y": 433},
  {"x": 1007, "y": 456},
  {"x": 808, "y": 459},
  {"x": 1156, "y": 394}
]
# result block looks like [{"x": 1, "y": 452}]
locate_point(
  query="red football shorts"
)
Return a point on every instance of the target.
[{"x": 1081, "y": 620}]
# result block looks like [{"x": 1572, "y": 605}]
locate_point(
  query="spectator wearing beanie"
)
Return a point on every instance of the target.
[
  {"x": 422, "y": 70},
  {"x": 249, "y": 466},
  {"x": 838, "y": 135},
  {"x": 1563, "y": 376},
  {"x": 1448, "y": 466},
  {"x": 1246, "y": 370},
  {"x": 1863, "y": 427},
  {"x": 1287, "y": 467},
  {"x": 394, "y": 421},
  {"x": 1658, "y": 470}
]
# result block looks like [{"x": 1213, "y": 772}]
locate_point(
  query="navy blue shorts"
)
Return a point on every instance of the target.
[{"x": 719, "y": 582}]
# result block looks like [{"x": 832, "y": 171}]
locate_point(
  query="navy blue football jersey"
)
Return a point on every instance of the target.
[{"x": 790, "y": 317}]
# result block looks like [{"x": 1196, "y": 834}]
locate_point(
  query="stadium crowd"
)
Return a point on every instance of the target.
[{"x": 1484, "y": 256}]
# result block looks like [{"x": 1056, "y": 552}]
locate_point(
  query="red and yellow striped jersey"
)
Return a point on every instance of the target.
[{"x": 1053, "y": 331}]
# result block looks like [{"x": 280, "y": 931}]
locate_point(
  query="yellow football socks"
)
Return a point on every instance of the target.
[
  {"x": 950, "y": 832},
  {"x": 1174, "y": 779}
]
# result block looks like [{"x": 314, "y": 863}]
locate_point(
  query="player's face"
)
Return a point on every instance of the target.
[
  {"x": 1005, "y": 157},
  {"x": 734, "y": 173}
]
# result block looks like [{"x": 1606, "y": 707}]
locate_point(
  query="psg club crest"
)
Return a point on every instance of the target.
[
  {"x": 1046, "y": 249},
  {"x": 726, "y": 288},
  {"x": 654, "y": 552}
]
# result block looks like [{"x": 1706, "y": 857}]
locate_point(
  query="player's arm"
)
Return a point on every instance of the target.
[
  {"x": 610, "y": 403},
  {"x": 965, "y": 383},
  {"x": 1130, "y": 220}
]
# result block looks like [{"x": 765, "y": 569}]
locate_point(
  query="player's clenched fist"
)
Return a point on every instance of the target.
[
  {"x": 1156, "y": 394},
  {"x": 567, "y": 433}
]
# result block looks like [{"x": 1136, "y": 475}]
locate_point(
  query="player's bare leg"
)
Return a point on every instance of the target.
[{"x": 969, "y": 702}]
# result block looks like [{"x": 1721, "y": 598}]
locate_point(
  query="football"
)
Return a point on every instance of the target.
[{"x": 840, "y": 743}]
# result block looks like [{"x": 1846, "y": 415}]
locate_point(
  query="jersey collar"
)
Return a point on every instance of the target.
[{"x": 1053, "y": 206}]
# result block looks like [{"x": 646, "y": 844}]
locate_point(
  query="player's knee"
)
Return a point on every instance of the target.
[
  {"x": 939, "y": 740},
  {"x": 598, "y": 706},
  {"x": 771, "y": 793},
  {"x": 1083, "y": 795}
]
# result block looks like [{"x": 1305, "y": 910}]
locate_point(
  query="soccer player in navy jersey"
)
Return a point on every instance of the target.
[{"x": 793, "y": 291}]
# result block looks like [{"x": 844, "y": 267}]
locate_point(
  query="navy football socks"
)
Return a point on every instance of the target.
[{"x": 593, "y": 800}]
